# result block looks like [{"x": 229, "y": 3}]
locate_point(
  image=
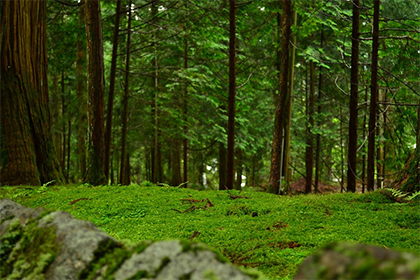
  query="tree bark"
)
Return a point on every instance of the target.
[
  {"x": 239, "y": 169},
  {"x": 95, "y": 87},
  {"x": 124, "y": 178},
  {"x": 28, "y": 156},
  {"x": 222, "y": 166},
  {"x": 282, "y": 100},
  {"x": 185, "y": 112},
  {"x": 318, "y": 136},
  {"x": 309, "y": 155},
  {"x": 230, "y": 180},
  {"x": 112, "y": 75},
  {"x": 81, "y": 98},
  {"x": 354, "y": 84},
  {"x": 373, "y": 99}
]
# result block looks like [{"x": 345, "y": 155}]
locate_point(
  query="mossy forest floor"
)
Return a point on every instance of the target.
[{"x": 252, "y": 229}]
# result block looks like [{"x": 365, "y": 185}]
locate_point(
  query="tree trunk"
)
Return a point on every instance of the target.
[
  {"x": 286, "y": 157},
  {"x": 81, "y": 98},
  {"x": 222, "y": 166},
  {"x": 28, "y": 156},
  {"x": 108, "y": 135},
  {"x": 373, "y": 99},
  {"x": 230, "y": 180},
  {"x": 282, "y": 100},
  {"x": 124, "y": 160},
  {"x": 309, "y": 155},
  {"x": 239, "y": 170},
  {"x": 185, "y": 112},
  {"x": 95, "y": 87},
  {"x": 176, "y": 165},
  {"x": 63, "y": 127},
  {"x": 318, "y": 136},
  {"x": 354, "y": 84}
]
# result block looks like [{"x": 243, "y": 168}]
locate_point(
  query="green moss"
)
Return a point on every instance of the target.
[
  {"x": 109, "y": 254},
  {"x": 8, "y": 242},
  {"x": 139, "y": 275},
  {"x": 139, "y": 248},
  {"x": 33, "y": 253},
  {"x": 163, "y": 263}
]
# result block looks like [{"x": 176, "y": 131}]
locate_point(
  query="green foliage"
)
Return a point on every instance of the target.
[{"x": 275, "y": 241}]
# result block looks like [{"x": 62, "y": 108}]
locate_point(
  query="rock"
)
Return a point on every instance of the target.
[
  {"x": 359, "y": 261},
  {"x": 39, "y": 244}
]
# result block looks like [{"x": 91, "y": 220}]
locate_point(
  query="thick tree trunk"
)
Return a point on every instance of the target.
[
  {"x": 282, "y": 100},
  {"x": 230, "y": 180},
  {"x": 28, "y": 156},
  {"x": 95, "y": 87},
  {"x": 352, "y": 148},
  {"x": 110, "y": 107},
  {"x": 125, "y": 177},
  {"x": 373, "y": 99}
]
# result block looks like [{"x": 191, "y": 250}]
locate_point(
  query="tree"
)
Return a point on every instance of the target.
[
  {"x": 28, "y": 156},
  {"x": 230, "y": 180},
  {"x": 95, "y": 87},
  {"x": 373, "y": 99},
  {"x": 352, "y": 148},
  {"x": 281, "y": 99},
  {"x": 110, "y": 106},
  {"x": 124, "y": 173}
]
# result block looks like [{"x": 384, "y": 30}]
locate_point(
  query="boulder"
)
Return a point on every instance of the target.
[
  {"x": 38, "y": 244},
  {"x": 344, "y": 260}
]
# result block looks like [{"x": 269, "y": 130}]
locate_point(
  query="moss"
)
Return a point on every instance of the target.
[
  {"x": 8, "y": 242},
  {"x": 163, "y": 263},
  {"x": 33, "y": 253},
  {"x": 139, "y": 275},
  {"x": 109, "y": 254},
  {"x": 139, "y": 248}
]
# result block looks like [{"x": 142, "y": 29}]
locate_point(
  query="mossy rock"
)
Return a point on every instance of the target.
[
  {"x": 359, "y": 261},
  {"x": 37, "y": 244}
]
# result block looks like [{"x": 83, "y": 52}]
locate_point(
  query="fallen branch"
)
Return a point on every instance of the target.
[{"x": 83, "y": 198}]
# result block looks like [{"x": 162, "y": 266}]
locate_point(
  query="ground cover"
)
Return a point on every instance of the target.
[{"x": 252, "y": 229}]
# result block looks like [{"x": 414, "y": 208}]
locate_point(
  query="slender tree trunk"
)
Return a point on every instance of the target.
[
  {"x": 280, "y": 111},
  {"x": 232, "y": 93},
  {"x": 318, "y": 136},
  {"x": 108, "y": 135},
  {"x": 125, "y": 177},
  {"x": 239, "y": 169},
  {"x": 176, "y": 165},
  {"x": 63, "y": 127},
  {"x": 28, "y": 156},
  {"x": 68, "y": 149},
  {"x": 373, "y": 98},
  {"x": 364, "y": 148},
  {"x": 354, "y": 80},
  {"x": 95, "y": 87},
  {"x": 288, "y": 123},
  {"x": 309, "y": 155},
  {"x": 379, "y": 147},
  {"x": 185, "y": 112},
  {"x": 222, "y": 166},
  {"x": 81, "y": 98}
]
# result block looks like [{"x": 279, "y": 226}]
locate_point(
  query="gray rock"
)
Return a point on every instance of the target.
[
  {"x": 359, "y": 261},
  {"x": 36, "y": 244}
]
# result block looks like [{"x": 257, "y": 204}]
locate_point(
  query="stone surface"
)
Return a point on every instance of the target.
[
  {"x": 38, "y": 244},
  {"x": 359, "y": 261}
]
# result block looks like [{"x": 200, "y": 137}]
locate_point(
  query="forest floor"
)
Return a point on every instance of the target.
[{"x": 255, "y": 230}]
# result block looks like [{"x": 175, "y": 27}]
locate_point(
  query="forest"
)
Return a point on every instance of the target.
[
  {"x": 280, "y": 96},
  {"x": 204, "y": 121}
]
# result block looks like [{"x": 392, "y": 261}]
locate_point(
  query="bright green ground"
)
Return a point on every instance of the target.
[{"x": 302, "y": 223}]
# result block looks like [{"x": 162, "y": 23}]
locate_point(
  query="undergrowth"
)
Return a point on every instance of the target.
[{"x": 252, "y": 229}]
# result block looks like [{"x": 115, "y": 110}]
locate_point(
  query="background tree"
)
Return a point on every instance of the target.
[
  {"x": 27, "y": 151},
  {"x": 95, "y": 87}
]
